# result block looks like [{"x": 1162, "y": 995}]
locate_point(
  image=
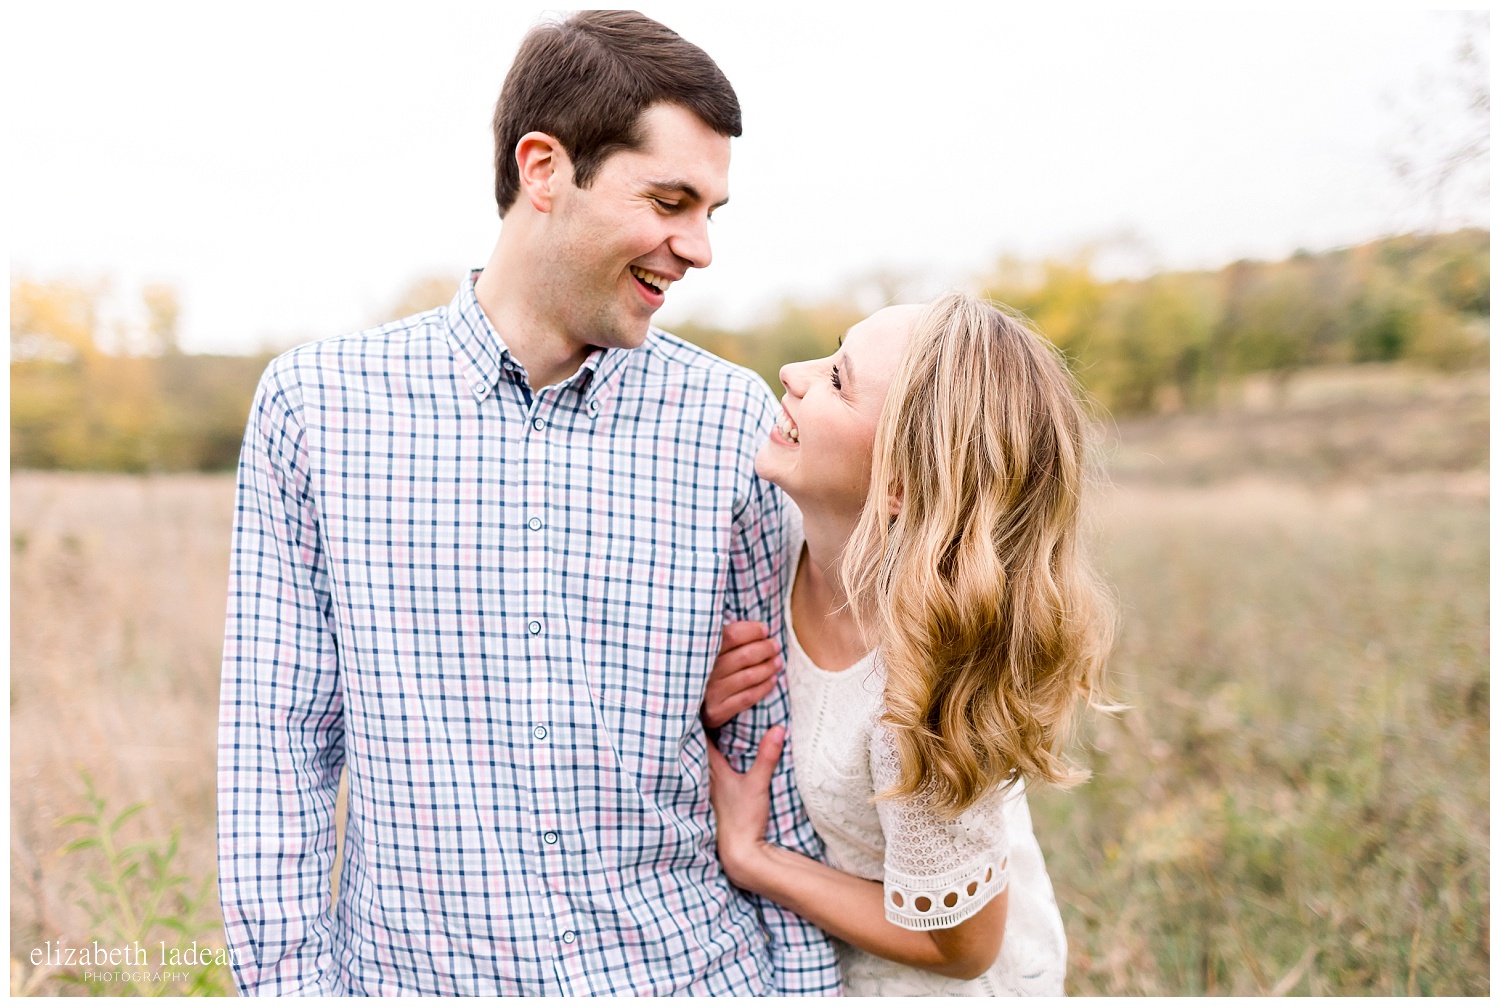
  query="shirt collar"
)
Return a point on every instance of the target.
[
  {"x": 481, "y": 352},
  {"x": 485, "y": 358}
]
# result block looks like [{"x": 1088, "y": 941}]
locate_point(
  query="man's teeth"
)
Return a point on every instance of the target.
[
  {"x": 661, "y": 283},
  {"x": 787, "y": 428}
]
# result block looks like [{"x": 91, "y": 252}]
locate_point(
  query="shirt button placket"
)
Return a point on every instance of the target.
[{"x": 550, "y": 791}]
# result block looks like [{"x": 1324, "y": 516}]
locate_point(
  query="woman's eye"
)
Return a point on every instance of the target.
[{"x": 834, "y": 377}]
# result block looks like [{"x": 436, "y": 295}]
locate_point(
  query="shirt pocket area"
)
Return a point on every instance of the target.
[{"x": 650, "y": 635}]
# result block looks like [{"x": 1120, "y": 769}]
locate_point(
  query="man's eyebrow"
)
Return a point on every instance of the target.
[{"x": 686, "y": 188}]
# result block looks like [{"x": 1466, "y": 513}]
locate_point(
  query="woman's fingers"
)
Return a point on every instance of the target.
[
  {"x": 741, "y": 632},
  {"x": 745, "y": 655},
  {"x": 743, "y": 674},
  {"x": 747, "y": 677},
  {"x": 728, "y": 694},
  {"x": 720, "y": 708},
  {"x": 723, "y": 703},
  {"x": 767, "y": 755},
  {"x": 716, "y": 761}
]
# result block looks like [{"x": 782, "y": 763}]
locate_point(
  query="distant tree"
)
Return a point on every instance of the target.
[
  {"x": 1168, "y": 341},
  {"x": 75, "y": 406},
  {"x": 1442, "y": 148},
  {"x": 162, "y": 313},
  {"x": 1148, "y": 348},
  {"x": 1062, "y": 299},
  {"x": 422, "y": 294},
  {"x": 53, "y": 321}
]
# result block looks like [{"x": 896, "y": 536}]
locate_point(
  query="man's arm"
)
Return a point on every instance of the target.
[
  {"x": 281, "y": 732},
  {"x": 802, "y": 957}
]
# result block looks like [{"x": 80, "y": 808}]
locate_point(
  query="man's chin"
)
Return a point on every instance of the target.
[
  {"x": 622, "y": 337},
  {"x": 631, "y": 340}
]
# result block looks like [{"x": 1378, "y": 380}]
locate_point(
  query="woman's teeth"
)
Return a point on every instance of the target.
[
  {"x": 650, "y": 279},
  {"x": 787, "y": 427}
]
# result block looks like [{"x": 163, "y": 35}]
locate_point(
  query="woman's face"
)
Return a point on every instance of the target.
[{"x": 821, "y": 450}]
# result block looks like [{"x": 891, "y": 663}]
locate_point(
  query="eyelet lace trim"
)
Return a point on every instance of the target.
[{"x": 935, "y": 903}]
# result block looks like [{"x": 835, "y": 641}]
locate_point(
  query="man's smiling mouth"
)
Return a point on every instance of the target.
[{"x": 657, "y": 284}]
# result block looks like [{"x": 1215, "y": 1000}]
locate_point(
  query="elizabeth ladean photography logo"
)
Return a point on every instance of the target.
[{"x": 60, "y": 954}]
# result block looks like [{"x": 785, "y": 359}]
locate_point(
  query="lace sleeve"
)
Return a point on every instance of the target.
[{"x": 938, "y": 873}]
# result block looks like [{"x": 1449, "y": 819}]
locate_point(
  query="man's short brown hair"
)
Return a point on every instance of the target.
[{"x": 587, "y": 79}]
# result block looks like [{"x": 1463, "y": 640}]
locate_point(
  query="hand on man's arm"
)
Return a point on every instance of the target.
[
  {"x": 802, "y": 957},
  {"x": 744, "y": 673},
  {"x": 281, "y": 736}
]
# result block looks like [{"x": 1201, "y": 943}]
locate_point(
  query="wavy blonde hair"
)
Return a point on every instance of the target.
[{"x": 991, "y": 622}]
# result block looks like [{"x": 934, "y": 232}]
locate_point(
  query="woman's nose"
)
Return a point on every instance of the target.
[{"x": 794, "y": 377}]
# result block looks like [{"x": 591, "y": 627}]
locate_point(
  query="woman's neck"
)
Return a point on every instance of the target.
[{"x": 825, "y": 626}]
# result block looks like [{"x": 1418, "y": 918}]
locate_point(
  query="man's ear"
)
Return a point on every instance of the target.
[{"x": 543, "y": 166}]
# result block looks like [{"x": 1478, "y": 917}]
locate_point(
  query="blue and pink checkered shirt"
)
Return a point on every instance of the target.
[{"x": 497, "y": 610}]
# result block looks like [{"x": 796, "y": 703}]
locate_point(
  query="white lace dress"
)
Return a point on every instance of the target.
[{"x": 936, "y": 873}]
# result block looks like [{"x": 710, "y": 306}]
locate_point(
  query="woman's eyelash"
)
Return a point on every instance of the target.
[{"x": 834, "y": 377}]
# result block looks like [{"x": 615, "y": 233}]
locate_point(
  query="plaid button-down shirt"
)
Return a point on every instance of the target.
[{"x": 498, "y": 610}]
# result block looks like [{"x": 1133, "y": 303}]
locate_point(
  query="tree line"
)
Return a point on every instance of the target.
[
  {"x": 84, "y": 397},
  {"x": 1183, "y": 339}
]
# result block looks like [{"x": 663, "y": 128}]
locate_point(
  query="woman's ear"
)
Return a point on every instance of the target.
[{"x": 543, "y": 166}]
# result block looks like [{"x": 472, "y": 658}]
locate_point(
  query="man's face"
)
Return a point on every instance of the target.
[{"x": 615, "y": 247}]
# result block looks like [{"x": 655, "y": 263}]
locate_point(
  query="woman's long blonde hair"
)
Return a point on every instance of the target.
[{"x": 991, "y": 622}]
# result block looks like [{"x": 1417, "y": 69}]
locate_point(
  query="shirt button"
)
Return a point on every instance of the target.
[
  {"x": 593, "y": 407},
  {"x": 534, "y": 626},
  {"x": 479, "y": 389},
  {"x": 538, "y": 423},
  {"x": 535, "y": 524},
  {"x": 569, "y": 937},
  {"x": 550, "y": 838},
  {"x": 539, "y": 732}
]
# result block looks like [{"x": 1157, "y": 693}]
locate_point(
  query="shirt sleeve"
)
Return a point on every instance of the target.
[
  {"x": 281, "y": 737},
  {"x": 938, "y": 873},
  {"x": 802, "y": 957}
]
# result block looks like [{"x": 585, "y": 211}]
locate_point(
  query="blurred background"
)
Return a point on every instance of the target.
[{"x": 1261, "y": 239}]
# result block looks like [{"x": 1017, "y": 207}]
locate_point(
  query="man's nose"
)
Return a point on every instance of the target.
[{"x": 691, "y": 243}]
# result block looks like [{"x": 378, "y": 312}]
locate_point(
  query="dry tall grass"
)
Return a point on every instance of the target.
[
  {"x": 117, "y": 618},
  {"x": 1297, "y": 802}
]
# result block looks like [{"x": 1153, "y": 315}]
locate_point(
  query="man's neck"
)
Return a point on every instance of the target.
[{"x": 505, "y": 291}]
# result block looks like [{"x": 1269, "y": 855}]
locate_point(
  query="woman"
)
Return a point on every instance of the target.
[{"x": 943, "y": 628}]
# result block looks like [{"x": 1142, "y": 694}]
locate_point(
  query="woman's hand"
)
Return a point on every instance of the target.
[
  {"x": 744, "y": 672},
  {"x": 742, "y": 805}
]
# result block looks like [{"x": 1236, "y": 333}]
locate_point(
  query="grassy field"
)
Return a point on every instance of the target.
[{"x": 1296, "y": 802}]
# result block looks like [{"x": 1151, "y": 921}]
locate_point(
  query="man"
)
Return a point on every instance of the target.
[{"x": 481, "y": 560}]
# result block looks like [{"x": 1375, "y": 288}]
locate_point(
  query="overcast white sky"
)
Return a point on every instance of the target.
[{"x": 292, "y": 167}]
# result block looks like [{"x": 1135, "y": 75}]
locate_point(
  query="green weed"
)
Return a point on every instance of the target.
[{"x": 137, "y": 898}]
